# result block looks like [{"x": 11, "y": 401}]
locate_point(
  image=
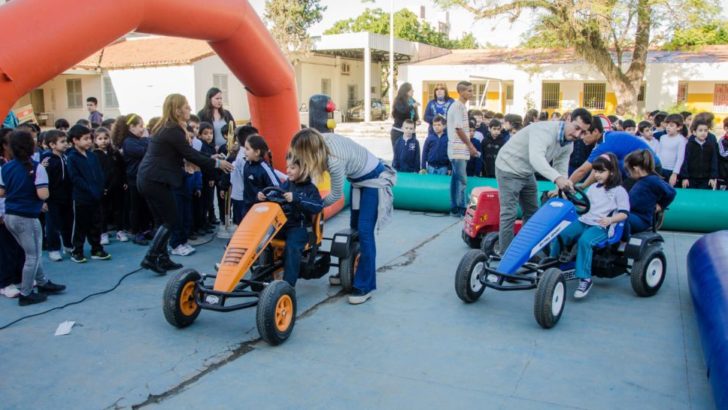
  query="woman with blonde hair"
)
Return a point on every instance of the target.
[
  {"x": 371, "y": 193},
  {"x": 162, "y": 169}
]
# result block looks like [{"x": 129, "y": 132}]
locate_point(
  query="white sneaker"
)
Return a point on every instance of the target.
[
  {"x": 181, "y": 250},
  {"x": 67, "y": 251},
  {"x": 121, "y": 236},
  {"x": 189, "y": 247},
  {"x": 10, "y": 291},
  {"x": 55, "y": 256},
  {"x": 104, "y": 238},
  {"x": 359, "y": 298}
]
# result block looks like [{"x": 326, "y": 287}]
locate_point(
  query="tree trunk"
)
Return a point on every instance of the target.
[{"x": 626, "y": 97}]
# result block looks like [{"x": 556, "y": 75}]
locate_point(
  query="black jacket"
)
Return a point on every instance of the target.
[
  {"x": 163, "y": 160},
  {"x": 109, "y": 166},
  {"x": 133, "y": 149},
  {"x": 404, "y": 111},
  {"x": 306, "y": 203},
  {"x": 256, "y": 176},
  {"x": 208, "y": 150},
  {"x": 701, "y": 161},
  {"x": 86, "y": 176},
  {"x": 490, "y": 148},
  {"x": 59, "y": 182}
]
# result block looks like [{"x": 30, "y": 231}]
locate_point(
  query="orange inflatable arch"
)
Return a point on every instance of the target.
[{"x": 43, "y": 38}]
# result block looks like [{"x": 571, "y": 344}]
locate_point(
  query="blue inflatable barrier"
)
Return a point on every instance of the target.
[{"x": 708, "y": 279}]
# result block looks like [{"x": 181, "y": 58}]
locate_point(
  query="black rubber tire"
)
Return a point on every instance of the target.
[
  {"x": 347, "y": 268},
  {"x": 490, "y": 243},
  {"x": 471, "y": 242},
  {"x": 643, "y": 275},
  {"x": 265, "y": 315},
  {"x": 471, "y": 264},
  {"x": 543, "y": 305},
  {"x": 172, "y": 299}
]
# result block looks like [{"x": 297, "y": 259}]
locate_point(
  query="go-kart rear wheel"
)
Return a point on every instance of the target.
[
  {"x": 490, "y": 244},
  {"x": 648, "y": 272},
  {"x": 347, "y": 268},
  {"x": 550, "y": 298},
  {"x": 471, "y": 242},
  {"x": 180, "y": 303},
  {"x": 468, "y": 284},
  {"x": 276, "y": 312}
]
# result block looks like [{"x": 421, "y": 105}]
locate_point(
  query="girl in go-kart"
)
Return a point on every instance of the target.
[{"x": 609, "y": 205}]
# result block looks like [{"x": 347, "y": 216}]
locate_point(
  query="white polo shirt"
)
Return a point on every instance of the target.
[{"x": 604, "y": 202}]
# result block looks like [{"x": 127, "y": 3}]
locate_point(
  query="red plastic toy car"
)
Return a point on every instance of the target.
[{"x": 482, "y": 220}]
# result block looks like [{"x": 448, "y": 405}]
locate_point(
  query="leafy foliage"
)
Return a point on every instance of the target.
[
  {"x": 290, "y": 21},
  {"x": 708, "y": 34}
]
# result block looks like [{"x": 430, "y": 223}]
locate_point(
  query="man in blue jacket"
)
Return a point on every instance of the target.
[{"x": 87, "y": 179}]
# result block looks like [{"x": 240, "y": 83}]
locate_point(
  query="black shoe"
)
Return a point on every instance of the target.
[
  {"x": 78, "y": 258},
  {"x": 192, "y": 237},
  {"x": 168, "y": 264},
  {"x": 148, "y": 235},
  {"x": 50, "y": 288},
  {"x": 31, "y": 299},
  {"x": 153, "y": 264},
  {"x": 140, "y": 240},
  {"x": 100, "y": 255}
]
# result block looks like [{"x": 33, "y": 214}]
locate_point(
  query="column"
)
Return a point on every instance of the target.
[{"x": 367, "y": 83}]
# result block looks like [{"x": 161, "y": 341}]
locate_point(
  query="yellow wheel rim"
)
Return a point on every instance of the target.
[
  {"x": 284, "y": 313},
  {"x": 187, "y": 303}
]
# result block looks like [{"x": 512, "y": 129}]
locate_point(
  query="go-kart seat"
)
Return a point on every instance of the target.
[
  {"x": 614, "y": 235},
  {"x": 315, "y": 233}
]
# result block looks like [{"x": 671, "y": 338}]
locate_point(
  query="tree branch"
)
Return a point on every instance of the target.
[
  {"x": 513, "y": 6},
  {"x": 642, "y": 42}
]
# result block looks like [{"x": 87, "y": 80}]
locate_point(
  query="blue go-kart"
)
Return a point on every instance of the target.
[{"x": 521, "y": 267}]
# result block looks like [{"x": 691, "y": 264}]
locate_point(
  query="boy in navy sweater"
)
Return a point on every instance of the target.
[
  {"x": 407, "y": 150},
  {"x": 474, "y": 167},
  {"x": 492, "y": 144},
  {"x": 59, "y": 220},
  {"x": 88, "y": 181},
  {"x": 700, "y": 167},
  {"x": 305, "y": 202},
  {"x": 434, "y": 152}
]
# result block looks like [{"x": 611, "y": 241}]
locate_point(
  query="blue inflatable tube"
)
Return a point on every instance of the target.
[{"x": 708, "y": 280}]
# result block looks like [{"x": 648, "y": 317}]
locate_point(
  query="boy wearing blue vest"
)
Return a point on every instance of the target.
[
  {"x": 88, "y": 180},
  {"x": 434, "y": 152},
  {"x": 407, "y": 150}
]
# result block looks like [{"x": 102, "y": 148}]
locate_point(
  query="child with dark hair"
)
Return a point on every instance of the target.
[
  {"x": 407, "y": 149},
  {"x": 109, "y": 160},
  {"x": 700, "y": 167},
  {"x": 257, "y": 174},
  {"x": 723, "y": 153},
  {"x": 127, "y": 135},
  {"x": 209, "y": 178},
  {"x": 492, "y": 144},
  {"x": 629, "y": 126},
  {"x": 512, "y": 123},
  {"x": 59, "y": 219},
  {"x": 644, "y": 132},
  {"x": 12, "y": 257},
  {"x": 609, "y": 205},
  {"x": 434, "y": 151},
  {"x": 659, "y": 126},
  {"x": 474, "y": 166},
  {"x": 87, "y": 178},
  {"x": 62, "y": 124},
  {"x": 235, "y": 182},
  {"x": 672, "y": 148},
  {"x": 94, "y": 116},
  {"x": 24, "y": 185},
  {"x": 650, "y": 193}
]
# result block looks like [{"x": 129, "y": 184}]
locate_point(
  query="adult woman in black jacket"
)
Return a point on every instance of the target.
[
  {"x": 404, "y": 108},
  {"x": 215, "y": 114},
  {"x": 161, "y": 170}
]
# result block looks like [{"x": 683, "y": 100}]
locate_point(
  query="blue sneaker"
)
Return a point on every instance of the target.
[{"x": 583, "y": 289}]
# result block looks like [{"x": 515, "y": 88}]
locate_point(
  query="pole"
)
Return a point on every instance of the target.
[{"x": 391, "y": 56}]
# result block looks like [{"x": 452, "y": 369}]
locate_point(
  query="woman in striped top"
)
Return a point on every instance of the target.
[{"x": 371, "y": 203}]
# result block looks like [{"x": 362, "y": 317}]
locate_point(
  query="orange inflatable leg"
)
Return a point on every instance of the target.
[{"x": 43, "y": 38}]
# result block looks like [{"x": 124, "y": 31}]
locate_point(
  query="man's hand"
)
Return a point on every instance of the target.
[
  {"x": 288, "y": 196},
  {"x": 564, "y": 184},
  {"x": 225, "y": 166},
  {"x": 685, "y": 183},
  {"x": 473, "y": 152},
  {"x": 673, "y": 179},
  {"x": 261, "y": 196}
]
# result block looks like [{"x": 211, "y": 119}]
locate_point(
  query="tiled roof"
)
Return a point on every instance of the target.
[
  {"x": 708, "y": 54},
  {"x": 147, "y": 52}
]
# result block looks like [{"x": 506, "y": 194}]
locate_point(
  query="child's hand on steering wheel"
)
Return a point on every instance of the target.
[
  {"x": 288, "y": 196},
  {"x": 261, "y": 196}
]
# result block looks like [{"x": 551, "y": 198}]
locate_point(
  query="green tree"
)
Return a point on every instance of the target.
[
  {"x": 708, "y": 34},
  {"x": 611, "y": 35},
  {"x": 289, "y": 22}
]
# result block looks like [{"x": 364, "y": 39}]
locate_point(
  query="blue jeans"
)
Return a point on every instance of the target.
[
  {"x": 296, "y": 239},
  {"x": 587, "y": 236},
  {"x": 364, "y": 220},
  {"x": 458, "y": 184},
  {"x": 436, "y": 170}
]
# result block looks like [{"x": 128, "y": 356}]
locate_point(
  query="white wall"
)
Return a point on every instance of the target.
[
  {"x": 312, "y": 70},
  {"x": 237, "y": 96},
  {"x": 143, "y": 90},
  {"x": 56, "y": 99}
]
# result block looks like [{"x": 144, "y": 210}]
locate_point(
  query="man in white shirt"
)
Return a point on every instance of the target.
[
  {"x": 531, "y": 150},
  {"x": 459, "y": 147}
]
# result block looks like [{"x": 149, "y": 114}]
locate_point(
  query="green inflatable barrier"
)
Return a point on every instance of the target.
[{"x": 694, "y": 210}]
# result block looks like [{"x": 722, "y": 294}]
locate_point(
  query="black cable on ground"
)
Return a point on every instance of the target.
[
  {"x": 430, "y": 214},
  {"x": 87, "y": 297}
]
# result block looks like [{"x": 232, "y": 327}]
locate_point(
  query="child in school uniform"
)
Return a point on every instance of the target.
[
  {"x": 236, "y": 178},
  {"x": 474, "y": 167},
  {"x": 106, "y": 155},
  {"x": 434, "y": 151},
  {"x": 644, "y": 132},
  {"x": 128, "y": 135},
  {"x": 257, "y": 174},
  {"x": 88, "y": 181},
  {"x": 407, "y": 150},
  {"x": 59, "y": 218},
  {"x": 12, "y": 257},
  {"x": 723, "y": 154},
  {"x": 209, "y": 178},
  {"x": 305, "y": 202},
  {"x": 649, "y": 193},
  {"x": 700, "y": 167},
  {"x": 492, "y": 144},
  {"x": 672, "y": 148}
]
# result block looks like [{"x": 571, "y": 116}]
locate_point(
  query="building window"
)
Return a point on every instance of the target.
[
  {"x": 221, "y": 81},
  {"x": 595, "y": 96},
  {"x": 345, "y": 69},
  {"x": 74, "y": 93},
  {"x": 326, "y": 86},
  {"x": 550, "y": 95},
  {"x": 641, "y": 94},
  {"x": 353, "y": 95},
  {"x": 110, "y": 100},
  {"x": 477, "y": 97},
  {"x": 682, "y": 93},
  {"x": 720, "y": 98},
  {"x": 509, "y": 93}
]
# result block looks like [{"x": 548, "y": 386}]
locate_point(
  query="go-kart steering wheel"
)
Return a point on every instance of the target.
[
  {"x": 274, "y": 194},
  {"x": 578, "y": 198}
]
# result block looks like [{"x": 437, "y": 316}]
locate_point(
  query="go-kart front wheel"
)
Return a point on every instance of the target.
[
  {"x": 276, "y": 312},
  {"x": 180, "y": 303},
  {"x": 550, "y": 298},
  {"x": 468, "y": 284},
  {"x": 347, "y": 268},
  {"x": 648, "y": 272},
  {"x": 490, "y": 244}
]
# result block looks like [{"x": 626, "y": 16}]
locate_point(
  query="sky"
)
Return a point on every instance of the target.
[{"x": 498, "y": 31}]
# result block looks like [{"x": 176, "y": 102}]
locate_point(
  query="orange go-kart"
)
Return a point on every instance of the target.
[{"x": 247, "y": 272}]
